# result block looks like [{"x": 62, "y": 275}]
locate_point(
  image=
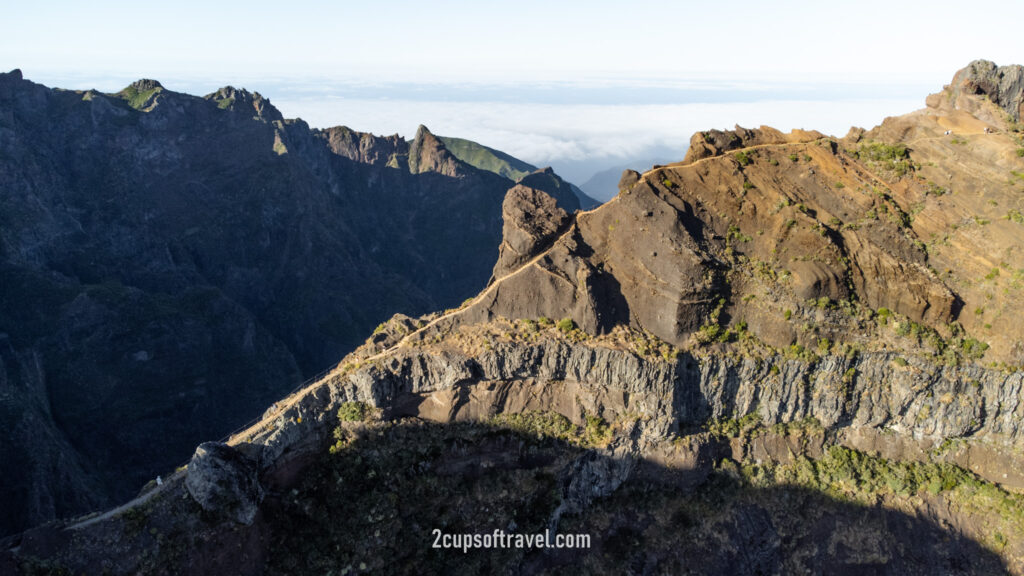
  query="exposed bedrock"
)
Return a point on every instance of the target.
[{"x": 869, "y": 402}]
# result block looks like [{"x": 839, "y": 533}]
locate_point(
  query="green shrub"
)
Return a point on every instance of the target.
[
  {"x": 546, "y": 424},
  {"x": 734, "y": 233},
  {"x": 894, "y": 157},
  {"x": 824, "y": 345},
  {"x": 935, "y": 190},
  {"x": 973, "y": 348},
  {"x": 353, "y": 412},
  {"x": 798, "y": 352},
  {"x": 565, "y": 325},
  {"x": 539, "y": 424},
  {"x": 743, "y": 158},
  {"x": 879, "y": 151},
  {"x": 597, "y": 432},
  {"x": 709, "y": 333}
]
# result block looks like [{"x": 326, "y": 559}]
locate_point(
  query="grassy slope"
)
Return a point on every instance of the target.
[{"x": 484, "y": 158}]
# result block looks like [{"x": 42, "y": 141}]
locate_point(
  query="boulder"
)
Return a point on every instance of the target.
[{"x": 224, "y": 481}]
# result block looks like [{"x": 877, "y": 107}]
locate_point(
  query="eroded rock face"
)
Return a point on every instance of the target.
[
  {"x": 532, "y": 220},
  {"x": 595, "y": 474},
  {"x": 1003, "y": 85},
  {"x": 224, "y": 481},
  {"x": 550, "y": 183},
  {"x": 924, "y": 403}
]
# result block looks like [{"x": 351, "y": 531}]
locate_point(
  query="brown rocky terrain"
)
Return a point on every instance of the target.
[{"x": 788, "y": 353}]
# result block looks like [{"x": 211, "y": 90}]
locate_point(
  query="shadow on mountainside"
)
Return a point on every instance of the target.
[{"x": 372, "y": 504}]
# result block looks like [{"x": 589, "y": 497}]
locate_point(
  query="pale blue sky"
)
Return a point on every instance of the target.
[
  {"x": 527, "y": 39},
  {"x": 576, "y": 80}
]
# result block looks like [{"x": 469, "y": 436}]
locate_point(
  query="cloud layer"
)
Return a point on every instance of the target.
[{"x": 586, "y": 134}]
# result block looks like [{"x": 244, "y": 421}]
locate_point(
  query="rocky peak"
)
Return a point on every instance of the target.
[
  {"x": 532, "y": 221},
  {"x": 144, "y": 84},
  {"x": 427, "y": 153},
  {"x": 13, "y": 75},
  {"x": 141, "y": 94},
  {"x": 232, "y": 98},
  {"x": 1003, "y": 85},
  {"x": 366, "y": 148}
]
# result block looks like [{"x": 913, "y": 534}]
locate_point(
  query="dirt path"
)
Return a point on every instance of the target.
[
  {"x": 293, "y": 398},
  {"x": 141, "y": 499}
]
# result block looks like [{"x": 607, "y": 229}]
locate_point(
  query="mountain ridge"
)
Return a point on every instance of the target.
[
  {"x": 776, "y": 312},
  {"x": 172, "y": 263}
]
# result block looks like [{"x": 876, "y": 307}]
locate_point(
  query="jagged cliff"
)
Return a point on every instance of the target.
[
  {"x": 171, "y": 264},
  {"x": 776, "y": 356}
]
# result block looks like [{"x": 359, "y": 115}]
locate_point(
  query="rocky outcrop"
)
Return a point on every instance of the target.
[
  {"x": 883, "y": 281},
  {"x": 224, "y": 481},
  {"x": 710, "y": 143},
  {"x": 550, "y": 183},
  {"x": 532, "y": 220},
  {"x": 366, "y": 148},
  {"x": 595, "y": 474},
  {"x": 240, "y": 99},
  {"x": 427, "y": 153},
  {"x": 1003, "y": 85},
  {"x": 146, "y": 84}
]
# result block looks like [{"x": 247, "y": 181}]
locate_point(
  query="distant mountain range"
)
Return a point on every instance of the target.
[{"x": 172, "y": 264}]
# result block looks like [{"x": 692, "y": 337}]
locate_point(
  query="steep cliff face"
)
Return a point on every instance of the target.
[
  {"x": 762, "y": 359},
  {"x": 171, "y": 264},
  {"x": 521, "y": 427}
]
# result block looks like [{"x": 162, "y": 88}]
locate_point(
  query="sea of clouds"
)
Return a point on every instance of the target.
[{"x": 582, "y": 129}]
